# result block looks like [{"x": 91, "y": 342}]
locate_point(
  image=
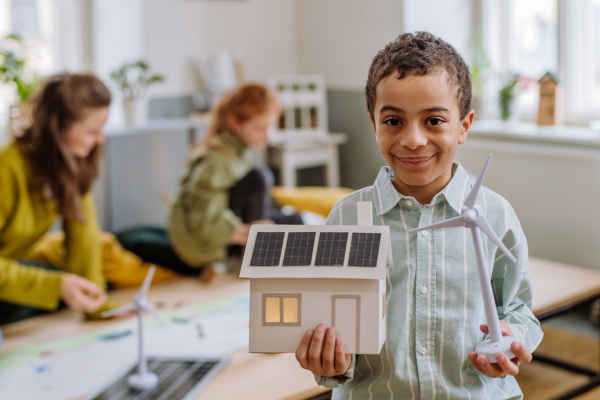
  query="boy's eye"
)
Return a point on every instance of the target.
[
  {"x": 435, "y": 121},
  {"x": 392, "y": 122}
]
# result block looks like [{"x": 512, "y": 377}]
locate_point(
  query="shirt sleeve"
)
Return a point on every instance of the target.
[
  {"x": 511, "y": 283},
  {"x": 19, "y": 283},
  {"x": 337, "y": 380},
  {"x": 82, "y": 244},
  {"x": 204, "y": 199}
]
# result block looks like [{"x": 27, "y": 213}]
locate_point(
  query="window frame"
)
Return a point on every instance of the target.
[
  {"x": 281, "y": 296},
  {"x": 574, "y": 61}
]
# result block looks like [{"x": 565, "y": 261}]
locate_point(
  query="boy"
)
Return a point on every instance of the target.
[{"x": 419, "y": 100}]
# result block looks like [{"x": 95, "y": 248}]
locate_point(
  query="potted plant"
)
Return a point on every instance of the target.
[
  {"x": 133, "y": 80},
  {"x": 508, "y": 92},
  {"x": 13, "y": 70}
]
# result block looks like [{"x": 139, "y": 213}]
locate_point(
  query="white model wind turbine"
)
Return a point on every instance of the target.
[
  {"x": 144, "y": 379},
  {"x": 472, "y": 217}
]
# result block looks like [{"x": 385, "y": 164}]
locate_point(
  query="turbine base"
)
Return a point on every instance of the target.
[
  {"x": 147, "y": 381},
  {"x": 490, "y": 350}
]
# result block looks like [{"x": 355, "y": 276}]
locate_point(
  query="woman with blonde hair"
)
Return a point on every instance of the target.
[{"x": 45, "y": 174}]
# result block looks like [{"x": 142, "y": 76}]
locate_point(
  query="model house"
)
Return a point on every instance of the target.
[{"x": 303, "y": 275}]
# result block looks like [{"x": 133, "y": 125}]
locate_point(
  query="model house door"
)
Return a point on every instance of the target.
[{"x": 345, "y": 315}]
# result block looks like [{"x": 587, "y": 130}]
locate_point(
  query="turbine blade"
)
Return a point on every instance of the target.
[
  {"x": 448, "y": 223},
  {"x": 147, "y": 281},
  {"x": 470, "y": 201},
  {"x": 487, "y": 229},
  {"x": 150, "y": 308},
  {"x": 118, "y": 310}
]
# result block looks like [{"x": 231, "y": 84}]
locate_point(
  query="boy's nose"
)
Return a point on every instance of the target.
[{"x": 413, "y": 138}]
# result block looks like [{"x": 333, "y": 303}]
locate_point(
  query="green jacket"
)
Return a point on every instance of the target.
[
  {"x": 25, "y": 216},
  {"x": 200, "y": 221}
]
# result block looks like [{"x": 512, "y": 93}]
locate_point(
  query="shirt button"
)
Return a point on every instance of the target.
[
  {"x": 423, "y": 350},
  {"x": 424, "y": 233},
  {"x": 408, "y": 203},
  {"x": 424, "y": 289}
]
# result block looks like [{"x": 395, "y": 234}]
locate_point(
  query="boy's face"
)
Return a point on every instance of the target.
[{"x": 418, "y": 128}]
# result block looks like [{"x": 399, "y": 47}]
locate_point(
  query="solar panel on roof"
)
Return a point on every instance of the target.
[
  {"x": 267, "y": 249},
  {"x": 364, "y": 249},
  {"x": 299, "y": 248},
  {"x": 331, "y": 249}
]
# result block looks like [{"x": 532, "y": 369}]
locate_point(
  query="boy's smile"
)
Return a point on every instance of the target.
[{"x": 418, "y": 128}]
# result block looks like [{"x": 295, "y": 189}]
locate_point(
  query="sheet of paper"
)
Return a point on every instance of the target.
[{"x": 70, "y": 368}]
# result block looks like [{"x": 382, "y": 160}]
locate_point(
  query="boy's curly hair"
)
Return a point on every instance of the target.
[{"x": 420, "y": 53}]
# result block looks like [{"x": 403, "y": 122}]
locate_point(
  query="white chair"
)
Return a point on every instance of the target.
[{"x": 302, "y": 138}]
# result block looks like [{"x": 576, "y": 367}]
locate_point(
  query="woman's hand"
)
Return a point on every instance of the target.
[
  {"x": 321, "y": 353},
  {"x": 504, "y": 366},
  {"x": 240, "y": 235},
  {"x": 81, "y": 294}
]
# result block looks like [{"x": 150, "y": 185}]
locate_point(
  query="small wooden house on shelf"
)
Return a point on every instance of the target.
[
  {"x": 550, "y": 106},
  {"x": 303, "y": 275}
]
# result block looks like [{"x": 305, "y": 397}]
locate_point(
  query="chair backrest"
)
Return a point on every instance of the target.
[{"x": 304, "y": 102}]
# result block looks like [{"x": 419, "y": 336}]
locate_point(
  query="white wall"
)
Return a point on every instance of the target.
[
  {"x": 175, "y": 32},
  {"x": 339, "y": 38},
  {"x": 449, "y": 19}
]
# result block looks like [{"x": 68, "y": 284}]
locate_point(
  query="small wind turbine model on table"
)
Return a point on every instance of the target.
[
  {"x": 472, "y": 217},
  {"x": 144, "y": 379}
]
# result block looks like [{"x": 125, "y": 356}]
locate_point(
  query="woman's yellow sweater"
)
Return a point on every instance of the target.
[{"x": 25, "y": 216}]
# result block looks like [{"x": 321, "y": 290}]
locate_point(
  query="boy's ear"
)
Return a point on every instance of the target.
[
  {"x": 373, "y": 123},
  {"x": 465, "y": 126}
]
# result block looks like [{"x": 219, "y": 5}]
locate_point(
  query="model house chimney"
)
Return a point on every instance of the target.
[{"x": 365, "y": 215}]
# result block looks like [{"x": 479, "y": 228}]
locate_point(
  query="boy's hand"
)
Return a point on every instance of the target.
[
  {"x": 322, "y": 354},
  {"x": 504, "y": 366}
]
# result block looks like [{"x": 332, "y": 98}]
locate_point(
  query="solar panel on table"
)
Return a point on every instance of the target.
[
  {"x": 299, "y": 248},
  {"x": 331, "y": 249},
  {"x": 364, "y": 249},
  {"x": 178, "y": 379},
  {"x": 267, "y": 249}
]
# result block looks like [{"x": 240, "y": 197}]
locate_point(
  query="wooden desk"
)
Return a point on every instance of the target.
[
  {"x": 277, "y": 377},
  {"x": 558, "y": 288},
  {"x": 247, "y": 376}
]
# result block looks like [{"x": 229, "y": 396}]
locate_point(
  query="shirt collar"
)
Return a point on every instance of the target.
[{"x": 387, "y": 197}]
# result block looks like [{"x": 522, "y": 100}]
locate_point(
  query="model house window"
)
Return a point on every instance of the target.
[{"x": 282, "y": 309}]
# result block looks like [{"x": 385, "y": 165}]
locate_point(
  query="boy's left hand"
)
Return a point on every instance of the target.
[{"x": 504, "y": 366}]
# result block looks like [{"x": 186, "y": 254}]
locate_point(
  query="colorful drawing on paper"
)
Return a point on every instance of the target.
[{"x": 70, "y": 368}]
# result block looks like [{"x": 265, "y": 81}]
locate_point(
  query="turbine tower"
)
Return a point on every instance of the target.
[
  {"x": 472, "y": 217},
  {"x": 144, "y": 379}
]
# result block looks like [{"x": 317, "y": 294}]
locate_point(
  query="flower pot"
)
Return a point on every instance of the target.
[{"x": 135, "y": 110}]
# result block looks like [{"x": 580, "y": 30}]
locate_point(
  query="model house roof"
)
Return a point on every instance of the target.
[{"x": 317, "y": 251}]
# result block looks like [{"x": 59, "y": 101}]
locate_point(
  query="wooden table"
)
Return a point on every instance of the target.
[
  {"x": 247, "y": 376},
  {"x": 558, "y": 288}
]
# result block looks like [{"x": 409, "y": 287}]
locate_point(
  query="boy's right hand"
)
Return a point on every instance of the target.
[
  {"x": 81, "y": 294},
  {"x": 322, "y": 354}
]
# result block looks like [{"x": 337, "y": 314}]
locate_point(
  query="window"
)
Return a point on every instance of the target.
[
  {"x": 534, "y": 36},
  {"x": 282, "y": 309}
]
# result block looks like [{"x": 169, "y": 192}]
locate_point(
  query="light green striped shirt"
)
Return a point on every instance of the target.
[{"x": 434, "y": 299}]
